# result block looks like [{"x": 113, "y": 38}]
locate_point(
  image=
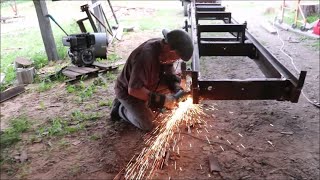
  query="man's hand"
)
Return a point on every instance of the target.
[
  {"x": 173, "y": 81},
  {"x": 170, "y": 102}
]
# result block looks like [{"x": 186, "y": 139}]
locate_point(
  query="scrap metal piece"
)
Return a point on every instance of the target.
[{"x": 214, "y": 164}]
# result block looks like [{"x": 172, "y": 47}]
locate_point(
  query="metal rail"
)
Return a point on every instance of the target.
[{"x": 279, "y": 84}]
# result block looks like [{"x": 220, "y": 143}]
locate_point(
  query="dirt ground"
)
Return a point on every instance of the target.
[{"x": 251, "y": 139}]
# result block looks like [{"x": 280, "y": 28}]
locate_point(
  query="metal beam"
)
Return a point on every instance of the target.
[
  {"x": 222, "y": 28},
  {"x": 194, "y": 36},
  {"x": 248, "y": 89},
  {"x": 207, "y": 4},
  {"x": 213, "y": 39},
  {"x": 210, "y": 8},
  {"x": 226, "y": 49},
  {"x": 213, "y": 15}
]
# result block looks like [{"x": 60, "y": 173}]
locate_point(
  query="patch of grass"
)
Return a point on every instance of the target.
[
  {"x": 44, "y": 86},
  {"x": 58, "y": 127},
  {"x": 313, "y": 18},
  {"x": 34, "y": 50},
  {"x": 111, "y": 76},
  {"x": 113, "y": 57},
  {"x": 95, "y": 137},
  {"x": 77, "y": 115},
  {"x": 42, "y": 106},
  {"x": 105, "y": 103},
  {"x": 156, "y": 21},
  {"x": 87, "y": 92},
  {"x": 82, "y": 90},
  {"x": 71, "y": 88},
  {"x": 12, "y": 135}
]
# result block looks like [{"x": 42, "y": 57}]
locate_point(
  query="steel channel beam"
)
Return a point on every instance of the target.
[
  {"x": 226, "y": 49},
  {"x": 222, "y": 28},
  {"x": 250, "y": 89},
  {"x": 265, "y": 58},
  {"x": 213, "y": 15},
  {"x": 194, "y": 35},
  {"x": 207, "y": 4},
  {"x": 195, "y": 56},
  {"x": 86, "y": 9},
  {"x": 213, "y": 39},
  {"x": 210, "y": 8}
]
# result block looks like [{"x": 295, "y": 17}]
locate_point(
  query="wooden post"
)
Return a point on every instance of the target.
[{"x": 46, "y": 31}]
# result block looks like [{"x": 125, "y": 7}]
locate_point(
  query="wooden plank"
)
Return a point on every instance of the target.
[
  {"x": 90, "y": 69},
  {"x": 12, "y": 92},
  {"x": 268, "y": 28},
  {"x": 70, "y": 74},
  {"x": 99, "y": 64},
  {"x": 77, "y": 69}
]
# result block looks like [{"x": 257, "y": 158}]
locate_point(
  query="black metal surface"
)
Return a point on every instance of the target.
[
  {"x": 262, "y": 89},
  {"x": 85, "y": 8},
  {"x": 213, "y": 15},
  {"x": 222, "y": 28},
  {"x": 221, "y": 39},
  {"x": 207, "y": 4},
  {"x": 195, "y": 89},
  {"x": 226, "y": 49},
  {"x": 210, "y": 8}
]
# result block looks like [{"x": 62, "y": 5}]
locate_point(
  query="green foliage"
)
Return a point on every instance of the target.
[
  {"x": 42, "y": 106},
  {"x": 10, "y": 75},
  {"x": 58, "y": 127},
  {"x": 44, "y": 86},
  {"x": 157, "y": 20},
  {"x": 95, "y": 137},
  {"x": 82, "y": 90},
  {"x": 13, "y": 134},
  {"x": 77, "y": 115},
  {"x": 113, "y": 57},
  {"x": 28, "y": 43},
  {"x": 106, "y": 103},
  {"x": 71, "y": 88},
  {"x": 87, "y": 92},
  {"x": 312, "y": 18}
]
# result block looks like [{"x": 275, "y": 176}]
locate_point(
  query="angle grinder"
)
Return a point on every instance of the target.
[{"x": 181, "y": 95}]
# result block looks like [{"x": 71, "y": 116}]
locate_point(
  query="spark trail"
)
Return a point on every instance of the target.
[{"x": 152, "y": 157}]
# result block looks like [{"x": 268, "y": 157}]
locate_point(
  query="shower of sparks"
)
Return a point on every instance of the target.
[{"x": 152, "y": 156}]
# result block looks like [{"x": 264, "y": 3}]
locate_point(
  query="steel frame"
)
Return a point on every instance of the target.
[{"x": 280, "y": 84}]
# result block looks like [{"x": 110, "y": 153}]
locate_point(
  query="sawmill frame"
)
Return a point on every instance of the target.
[{"x": 279, "y": 83}]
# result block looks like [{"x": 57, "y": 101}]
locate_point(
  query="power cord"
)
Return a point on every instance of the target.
[{"x": 295, "y": 67}]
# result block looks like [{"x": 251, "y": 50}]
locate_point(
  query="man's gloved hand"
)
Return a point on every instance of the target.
[
  {"x": 170, "y": 102},
  {"x": 158, "y": 101},
  {"x": 173, "y": 82}
]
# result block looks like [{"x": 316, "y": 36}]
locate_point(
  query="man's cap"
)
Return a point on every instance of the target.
[{"x": 180, "y": 41}]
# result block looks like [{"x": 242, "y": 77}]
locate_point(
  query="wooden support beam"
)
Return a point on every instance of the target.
[
  {"x": 12, "y": 92},
  {"x": 46, "y": 31}
]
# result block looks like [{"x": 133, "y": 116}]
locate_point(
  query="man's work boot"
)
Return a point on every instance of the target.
[{"x": 115, "y": 110}]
